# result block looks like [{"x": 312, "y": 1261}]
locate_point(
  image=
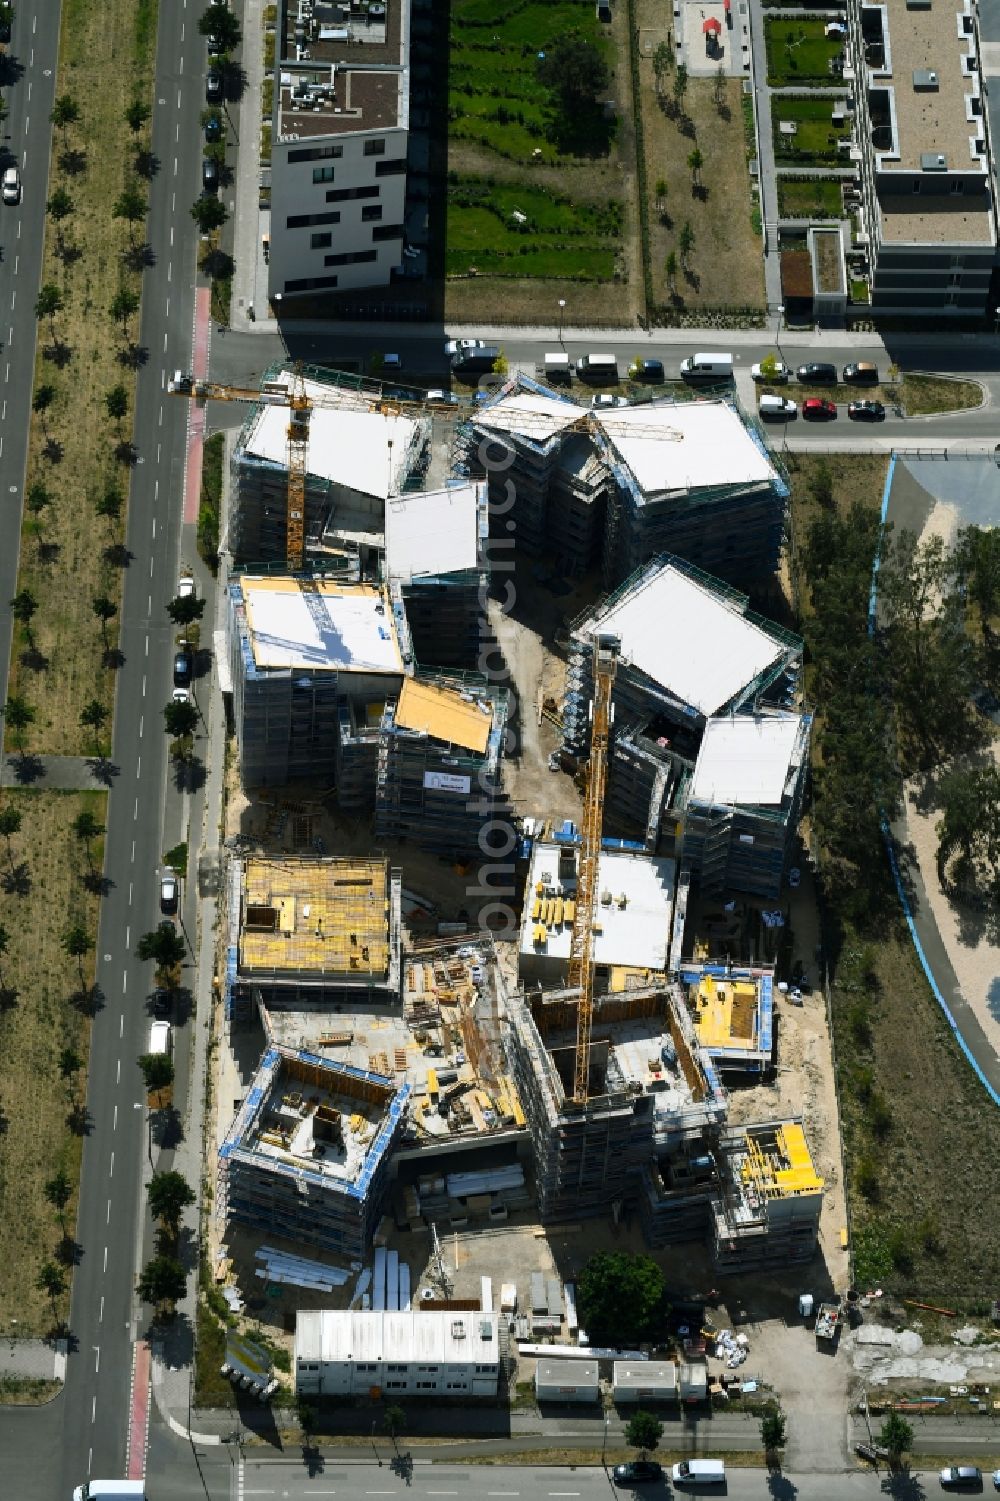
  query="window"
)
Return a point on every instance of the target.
[
  {"x": 958, "y": 185},
  {"x": 916, "y": 184},
  {"x": 323, "y": 174},
  {"x": 375, "y": 148},
  {"x": 391, "y": 168},
  {"x": 314, "y": 153},
  {"x": 371, "y": 211},
  {"x": 396, "y": 1368},
  {"x": 387, "y": 232},
  {"x": 303, "y": 221},
  {"x": 485, "y": 1370},
  {"x": 395, "y": 1386},
  {"x": 352, "y": 258},
  {"x": 322, "y": 240},
  {"x": 426, "y": 1386},
  {"x": 339, "y": 195},
  {"x": 310, "y": 283}
]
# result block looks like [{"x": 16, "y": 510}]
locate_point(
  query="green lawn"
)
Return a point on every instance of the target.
[
  {"x": 815, "y": 140},
  {"x": 799, "y": 198},
  {"x": 798, "y": 51},
  {"x": 559, "y": 236}
]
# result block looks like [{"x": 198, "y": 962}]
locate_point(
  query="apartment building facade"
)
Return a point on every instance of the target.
[
  {"x": 339, "y": 142},
  {"x": 925, "y": 196}
]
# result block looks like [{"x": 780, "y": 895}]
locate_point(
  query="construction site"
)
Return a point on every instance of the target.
[{"x": 406, "y": 1076}]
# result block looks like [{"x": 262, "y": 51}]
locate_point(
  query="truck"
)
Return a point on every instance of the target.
[
  {"x": 111, "y": 1490},
  {"x": 828, "y": 1320}
]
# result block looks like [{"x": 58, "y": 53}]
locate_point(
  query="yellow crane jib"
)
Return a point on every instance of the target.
[{"x": 581, "y": 968}]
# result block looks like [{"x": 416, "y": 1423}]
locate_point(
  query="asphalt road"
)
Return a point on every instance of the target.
[
  {"x": 27, "y": 75},
  {"x": 84, "y": 1432}
]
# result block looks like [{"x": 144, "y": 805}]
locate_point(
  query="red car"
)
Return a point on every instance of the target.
[{"x": 815, "y": 409}]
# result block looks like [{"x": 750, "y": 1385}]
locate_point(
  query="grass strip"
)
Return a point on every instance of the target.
[{"x": 210, "y": 501}]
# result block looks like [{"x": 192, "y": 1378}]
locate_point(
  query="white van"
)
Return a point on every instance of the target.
[
  {"x": 602, "y": 369},
  {"x": 707, "y": 367},
  {"x": 161, "y": 1039},
  {"x": 777, "y": 408},
  {"x": 111, "y": 1490},
  {"x": 558, "y": 369},
  {"x": 699, "y": 1472}
]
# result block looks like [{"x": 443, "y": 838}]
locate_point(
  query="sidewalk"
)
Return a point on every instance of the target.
[
  {"x": 36, "y": 1359},
  {"x": 249, "y": 220},
  {"x": 57, "y": 773}
]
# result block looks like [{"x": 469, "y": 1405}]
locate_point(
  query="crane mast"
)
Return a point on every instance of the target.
[
  {"x": 298, "y": 458},
  {"x": 581, "y": 968}
]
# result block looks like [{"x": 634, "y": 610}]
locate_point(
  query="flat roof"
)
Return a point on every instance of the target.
[
  {"x": 531, "y": 415},
  {"x": 938, "y": 218},
  {"x": 647, "y": 1373},
  {"x": 359, "y": 450},
  {"x": 745, "y": 759},
  {"x": 319, "y": 915},
  {"x": 358, "y": 101},
  {"x": 320, "y": 626},
  {"x": 636, "y": 933},
  {"x": 345, "y": 1336},
  {"x": 359, "y": 37},
  {"x": 444, "y": 714},
  {"x": 927, "y": 38},
  {"x": 432, "y": 532},
  {"x": 688, "y": 638},
  {"x": 567, "y": 1372},
  {"x": 685, "y": 445}
]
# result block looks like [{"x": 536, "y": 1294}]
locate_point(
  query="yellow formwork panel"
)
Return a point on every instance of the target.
[
  {"x": 444, "y": 714},
  {"x": 321, "y": 915}
]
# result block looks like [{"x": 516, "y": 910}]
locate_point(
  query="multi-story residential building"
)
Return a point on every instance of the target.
[
  {"x": 926, "y": 204},
  {"x": 339, "y": 141}
]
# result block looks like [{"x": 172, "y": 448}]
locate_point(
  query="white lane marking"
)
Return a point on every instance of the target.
[
  {"x": 107, "y": 1219},
  {"x": 97, "y": 1358},
  {"x": 140, "y": 737},
  {"x": 138, "y": 768},
  {"x": 144, "y": 675},
  {"x": 175, "y": 166},
  {"x": 127, "y": 933},
  {"x": 114, "y": 1123},
  {"x": 17, "y": 259},
  {"x": 133, "y": 851},
  {"x": 124, "y": 980},
  {"x": 118, "y": 1073},
  {"x": 164, "y": 343},
  {"x": 135, "y": 813},
  {"x": 130, "y": 893},
  {"x": 105, "y": 1258},
  {"x": 170, "y": 276},
  {"x": 93, "y": 1409},
  {"x": 100, "y": 1316},
  {"x": 151, "y": 568},
  {"x": 121, "y": 1033},
  {"x": 111, "y": 1171}
]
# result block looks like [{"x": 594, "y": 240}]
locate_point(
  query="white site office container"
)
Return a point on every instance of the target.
[
  {"x": 645, "y": 1381},
  {"x": 566, "y": 1381}
]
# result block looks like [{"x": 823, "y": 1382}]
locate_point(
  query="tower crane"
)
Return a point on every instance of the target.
[
  {"x": 300, "y": 408},
  {"x": 581, "y": 967}
]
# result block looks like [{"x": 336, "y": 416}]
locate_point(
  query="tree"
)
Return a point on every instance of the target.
[
  {"x": 70, "y": 1063},
  {"x": 136, "y": 115},
  {"x": 86, "y": 828},
  {"x": 37, "y": 498},
  {"x": 393, "y": 1420},
  {"x": 43, "y": 398},
  {"x": 685, "y": 242},
  {"x": 59, "y": 1191},
  {"x": 219, "y": 22},
  {"x": 185, "y": 609},
  {"x": 663, "y": 61},
  {"x": 48, "y": 303},
  {"x": 163, "y": 1280},
  {"x": 977, "y": 560},
  {"x": 124, "y": 304},
  {"x": 671, "y": 270},
  {"x": 23, "y": 607},
  {"x": 65, "y": 112},
  {"x": 51, "y": 1281},
  {"x": 157, "y": 1070},
  {"x": 695, "y": 163},
  {"x": 116, "y": 402},
  {"x": 60, "y": 205},
  {"x": 772, "y": 1431},
  {"x": 621, "y": 1296},
  {"x": 660, "y": 192},
  {"x": 896, "y": 1435},
  {"x": 968, "y": 831},
  {"x": 109, "y": 505},
  {"x": 169, "y": 1195},
  {"x": 130, "y": 206},
  {"x": 719, "y": 87},
  {"x": 10, "y": 824},
  {"x": 680, "y": 85},
  {"x": 208, "y": 214},
  {"x": 93, "y": 716},
  {"x": 164, "y": 944},
  {"x": 575, "y": 72},
  {"x": 180, "y": 719},
  {"x": 19, "y": 715},
  {"x": 643, "y": 1431},
  {"x": 105, "y": 609},
  {"x": 76, "y": 943}
]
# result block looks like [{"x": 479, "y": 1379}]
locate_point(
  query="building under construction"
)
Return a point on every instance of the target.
[
  {"x": 439, "y": 776},
  {"x": 308, "y": 1154},
  {"x": 358, "y": 456},
  {"x": 300, "y": 650},
  {"x": 705, "y": 765},
  {"x": 625, "y": 484},
  {"x": 436, "y": 551},
  {"x": 313, "y": 932},
  {"x": 732, "y": 1007}
]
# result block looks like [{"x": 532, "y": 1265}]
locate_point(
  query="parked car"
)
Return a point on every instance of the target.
[
  {"x": 161, "y": 1038},
  {"x": 604, "y": 10},
  {"x": 11, "y": 190},
  {"x": 463, "y": 346},
  {"x": 815, "y": 409},
  {"x": 214, "y": 47},
  {"x": 213, "y": 128},
  {"x": 605, "y": 399},
  {"x": 161, "y": 1004},
  {"x": 209, "y": 175},
  {"x": 183, "y": 666},
  {"x": 181, "y": 696},
  {"x": 185, "y": 586},
  {"x": 777, "y": 408},
  {"x": 776, "y": 377},
  {"x": 637, "y": 1472},
  {"x": 168, "y": 893},
  {"x": 213, "y": 86},
  {"x": 962, "y": 1478},
  {"x": 866, "y": 411},
  {"x": 816, "y": 374},
  {"x": 650, "y": 371},
  {"x": 996, "y": 1480},
  {"x": 861, "y": 373}
]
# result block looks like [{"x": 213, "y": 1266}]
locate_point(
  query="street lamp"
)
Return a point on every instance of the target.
[
  {"x": 562, "y": 308},
  {"x": 374, "y": 1450}
]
